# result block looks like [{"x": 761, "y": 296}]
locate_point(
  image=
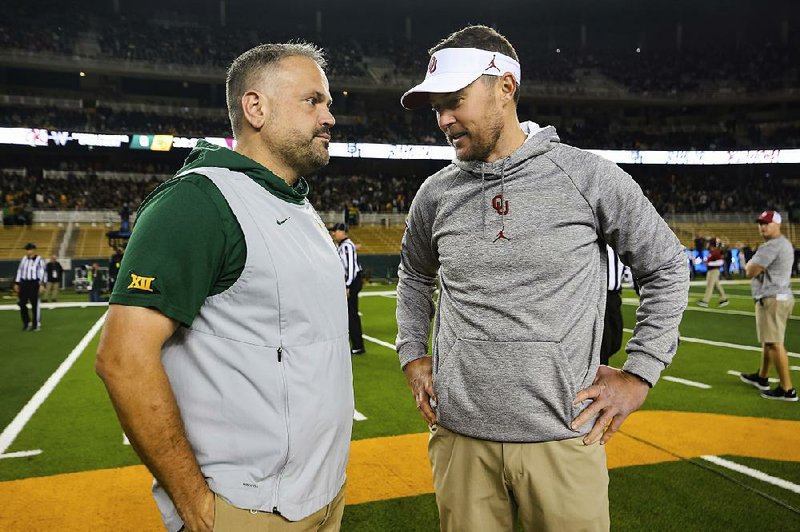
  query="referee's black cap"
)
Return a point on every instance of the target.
[
  {"x": 30, "y": 245},
  {"x": 339, "y": 227}
]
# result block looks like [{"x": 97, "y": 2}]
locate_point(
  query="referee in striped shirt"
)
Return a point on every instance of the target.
[
  {"x": 612, "y": 330},
  {"x": 353, "y": 281},
  {"x": 30, "y": 276}
]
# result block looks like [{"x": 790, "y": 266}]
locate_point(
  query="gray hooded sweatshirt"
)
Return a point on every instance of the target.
[{"x": 518, "y": 246}]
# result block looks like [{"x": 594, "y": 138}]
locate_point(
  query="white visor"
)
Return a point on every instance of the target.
[{"x": 452, "y": 69}]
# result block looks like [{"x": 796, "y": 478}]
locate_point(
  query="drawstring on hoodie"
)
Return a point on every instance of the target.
[
  {"x": 502, "y": 198},
  {"x": 483, "y": 192}
]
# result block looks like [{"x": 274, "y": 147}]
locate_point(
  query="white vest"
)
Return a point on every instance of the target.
[{"x": 263, "y": 377}]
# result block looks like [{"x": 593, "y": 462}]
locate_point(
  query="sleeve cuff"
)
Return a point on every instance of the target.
[
  {"x": 644, "y": 367},
  {"x": 411, "y": 351}
]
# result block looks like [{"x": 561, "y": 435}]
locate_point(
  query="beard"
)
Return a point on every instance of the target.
[
  {"x": 305, "y": 153},
  {"x": 483, "y": 141},
  {"x": 302, "y": 151}
]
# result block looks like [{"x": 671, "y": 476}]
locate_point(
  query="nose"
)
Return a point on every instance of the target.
[
  {"x": 445, "y": 120},
  {"x": 327, "y": 118}
]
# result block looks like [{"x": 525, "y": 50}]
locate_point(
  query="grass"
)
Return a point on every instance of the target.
[{"x": 76, "y": 428}]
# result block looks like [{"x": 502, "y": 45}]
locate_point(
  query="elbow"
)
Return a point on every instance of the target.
[{"x": 105, "y": 366}]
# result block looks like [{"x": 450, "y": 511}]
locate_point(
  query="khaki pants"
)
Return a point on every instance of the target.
[
  {"x": 228, "y": 518},
  {"x": 712, "y": 282},
  {"x": 550, "y": 486},
  {"x": 50, "y": 292},
  {"x": 771, "y": 318}
]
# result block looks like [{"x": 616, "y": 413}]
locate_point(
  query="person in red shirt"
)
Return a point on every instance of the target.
[{"x": 715, "y": 263}]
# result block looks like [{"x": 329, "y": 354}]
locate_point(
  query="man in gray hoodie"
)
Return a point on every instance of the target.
[{"x": 515, "y": 232}]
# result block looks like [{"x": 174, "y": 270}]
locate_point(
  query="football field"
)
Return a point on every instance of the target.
[{"x": 704, "y": 453}]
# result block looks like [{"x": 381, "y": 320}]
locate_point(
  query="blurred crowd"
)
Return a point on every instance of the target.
[
  {"x": 22, "y": 194},
  {"x": 748, "y": 67},
  {"x": 670, "y": 189}
]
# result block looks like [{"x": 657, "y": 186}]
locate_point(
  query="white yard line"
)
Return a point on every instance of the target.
[
  {"x": 384, "y": 293},
  {"x": 687, "y": 382},
  {"x": 358, "y": 416},
  {"x": 738, "y": 373},
  {"x": 694, "y": 308},
  {"x": 721, "y": 344},
  {"x": 794, "y": 368},
  {"x": 21, "y": 454},
  {"x": 379, "y": 342},
  {"x": 13, "y": 429},
  {"x": 754, "y": 473}
]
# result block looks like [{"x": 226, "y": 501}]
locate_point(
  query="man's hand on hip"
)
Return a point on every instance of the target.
[
  {"x": 615, "y": 394},
  {"x": 419, "y": 374}
]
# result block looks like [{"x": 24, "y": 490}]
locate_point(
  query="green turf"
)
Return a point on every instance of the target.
[
  {"x": 683, "y": 496},
  {"x": 29, "y": 358},
  {"x": 77, "y": 430},
  {"x": 407, "y": 514}
]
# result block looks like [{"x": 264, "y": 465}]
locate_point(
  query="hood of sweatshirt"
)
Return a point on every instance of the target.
[
  {"x": 540, "y": 140},
  {"x": 206, "y": 154}
]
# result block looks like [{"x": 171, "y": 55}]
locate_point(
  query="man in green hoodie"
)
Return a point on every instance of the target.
[
  {"x": 515, "y": 233},
  {"x": 225, "y": 350}
]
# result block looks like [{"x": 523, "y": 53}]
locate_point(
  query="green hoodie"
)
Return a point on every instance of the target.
[{"x": 187, "y": 244}]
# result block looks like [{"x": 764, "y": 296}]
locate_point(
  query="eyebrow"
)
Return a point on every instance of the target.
[{"x": 321, "y": 96}]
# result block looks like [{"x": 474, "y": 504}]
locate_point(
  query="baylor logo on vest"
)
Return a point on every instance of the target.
[{"x": 141, "y": 283}]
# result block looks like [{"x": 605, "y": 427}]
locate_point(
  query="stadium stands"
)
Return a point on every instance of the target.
[
  {"x": 91, "y": 242},
  {"x": 377, "y": 240},
  {"x": 13, "y": 239}
]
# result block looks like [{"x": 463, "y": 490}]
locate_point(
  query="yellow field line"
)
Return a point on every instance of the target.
[{"x": 381, "y": 469}]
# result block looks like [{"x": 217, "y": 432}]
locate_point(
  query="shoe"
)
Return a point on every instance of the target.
[
  {"x": 358, "y": 351},
  {"x": 780, "y": 394},
  {"x": 702, "y": 303},
  {"x": 762, "y": 383},
  {"x": 26, "y": 327},
  {"x": 724, "y": 303},
  {"x": 37, "y": 329}
]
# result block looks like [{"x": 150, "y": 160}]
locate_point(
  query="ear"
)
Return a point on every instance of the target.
[
  {"x": 508, "y": 87},
  {"x": 255, "y": 108}
]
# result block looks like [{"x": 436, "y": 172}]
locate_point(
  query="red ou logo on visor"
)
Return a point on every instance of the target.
[{"x": 432, "y": 65}]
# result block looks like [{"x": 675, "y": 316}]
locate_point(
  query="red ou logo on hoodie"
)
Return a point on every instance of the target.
[{"x": 497, "y": 204}]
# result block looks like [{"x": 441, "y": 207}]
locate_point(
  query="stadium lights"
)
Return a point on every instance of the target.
[
  {"x": 82, "y": 74},
  {"x": 367, "y": 150}
]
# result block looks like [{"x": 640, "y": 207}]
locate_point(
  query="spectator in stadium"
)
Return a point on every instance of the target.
[
  {"x": 54, "y": 274},
  {"x": 715, "y": 263},
  {"x": 234, "y": 311},
  {"x": 30, "y": 277},
  {"x": 771, "y": 272},
  {"x": 512, "y": 231},
  {"x": 353, "y": 280}
]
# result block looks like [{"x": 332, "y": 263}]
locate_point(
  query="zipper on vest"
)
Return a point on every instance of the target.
[{"x": 282, "y": 370}]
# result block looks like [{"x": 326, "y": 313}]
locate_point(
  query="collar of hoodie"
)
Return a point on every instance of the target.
[{"x": 539, "y": 141}]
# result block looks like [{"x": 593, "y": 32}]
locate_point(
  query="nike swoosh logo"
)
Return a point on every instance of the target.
[{"x": 281, "y": 222}]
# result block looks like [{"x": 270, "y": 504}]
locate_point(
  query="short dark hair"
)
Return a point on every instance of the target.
[
  {"x": 254, "y": 61},
  {"x": 483, "y": 38}
]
